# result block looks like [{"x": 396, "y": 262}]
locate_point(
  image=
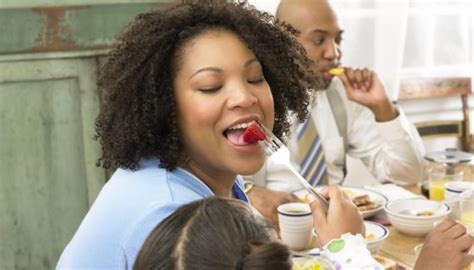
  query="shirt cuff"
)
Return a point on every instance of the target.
[{"x": 394, "y": 129}]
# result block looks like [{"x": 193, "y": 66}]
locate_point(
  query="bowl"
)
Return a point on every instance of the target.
[
  {"x": 416, "y": 217},
  {"x": 375, "y": 234}
]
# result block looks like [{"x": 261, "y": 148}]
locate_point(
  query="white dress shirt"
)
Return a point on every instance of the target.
[{"x": 392, "y": 150}]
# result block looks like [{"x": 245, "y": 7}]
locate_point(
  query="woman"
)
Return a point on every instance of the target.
[
  {"x": 180, "y": 88},
  {"x": 213, "y": 233}
]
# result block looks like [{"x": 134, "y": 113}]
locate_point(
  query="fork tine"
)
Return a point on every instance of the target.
[{"x": 270, "y": 136}]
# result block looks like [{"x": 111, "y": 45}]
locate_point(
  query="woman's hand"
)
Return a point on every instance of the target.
[
  {"x": 266, "y": 201},
  {"x": 342, "y": 217},
  {"x": 446, "y": 247}
]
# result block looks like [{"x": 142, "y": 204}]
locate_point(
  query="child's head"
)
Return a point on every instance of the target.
[
  {"x": 180, "y": 81},
  {"x": 213, "y": 233}
]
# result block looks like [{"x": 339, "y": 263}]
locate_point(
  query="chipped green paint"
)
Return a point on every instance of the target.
[
  {"x": 19, "y": 28},
  {"x": 67, "y": 28},
  {"x": 103, "y": 23}
]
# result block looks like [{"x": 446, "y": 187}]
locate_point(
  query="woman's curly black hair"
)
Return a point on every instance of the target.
[{"x": 138, "y": 117}]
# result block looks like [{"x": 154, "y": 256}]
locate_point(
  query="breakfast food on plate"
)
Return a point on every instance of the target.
[
  {"x": 370, "y": 236},
  {"x": 363, "y": 202},
  {"x": 311, "y": 263},
  {"x": 361, "y": 199},
  {"x": 254, "y": 133},
  {"x": 336, "y": 71}
]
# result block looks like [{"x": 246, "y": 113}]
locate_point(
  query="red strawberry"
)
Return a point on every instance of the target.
[{"x": 254, "y": 134}]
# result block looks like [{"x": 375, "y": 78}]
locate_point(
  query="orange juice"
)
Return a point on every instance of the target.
[{"x": 437, "y": 190}]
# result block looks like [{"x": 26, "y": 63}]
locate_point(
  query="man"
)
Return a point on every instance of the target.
[{"x": 374, "y": 130}]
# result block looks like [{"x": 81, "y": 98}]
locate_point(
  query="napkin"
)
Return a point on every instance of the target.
[
  {"x": 394, "y": 192},
  {"x": 350, "y": 253}
]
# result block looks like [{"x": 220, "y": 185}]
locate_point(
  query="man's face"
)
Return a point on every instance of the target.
[{"x": 321, "y": 34}]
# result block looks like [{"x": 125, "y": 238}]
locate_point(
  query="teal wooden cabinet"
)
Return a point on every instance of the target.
[
  {"x": 49, "y": 57},
  {"x": 47, "y": 157}
]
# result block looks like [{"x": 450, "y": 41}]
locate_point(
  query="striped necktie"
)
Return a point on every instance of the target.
[{"x": 310, "y": 154}]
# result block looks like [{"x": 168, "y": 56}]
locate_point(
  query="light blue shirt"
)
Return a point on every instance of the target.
[{"x": 127, "y": 209}]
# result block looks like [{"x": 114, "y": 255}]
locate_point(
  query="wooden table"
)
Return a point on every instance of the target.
[{"x": 400, "y": 248}]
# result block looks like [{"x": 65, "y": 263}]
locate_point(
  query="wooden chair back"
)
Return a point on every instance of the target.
[{"x": 441, "y": 87}]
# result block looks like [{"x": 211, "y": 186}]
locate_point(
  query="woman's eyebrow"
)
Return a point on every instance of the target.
[
  {"x": 214, "y": 69},
  {"x": 250, "y": 61}
]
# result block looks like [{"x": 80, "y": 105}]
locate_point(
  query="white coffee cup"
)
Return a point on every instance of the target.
[{"x": 296, "y": 225}]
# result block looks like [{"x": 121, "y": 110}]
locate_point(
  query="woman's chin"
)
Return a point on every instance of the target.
[{"x": 250, "y": 167}]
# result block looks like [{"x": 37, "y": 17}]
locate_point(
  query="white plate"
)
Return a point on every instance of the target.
[
  {"x": 307, "y": 263},
  {"x": 355, "y": 191},
  {"x": 375, "y": 234}
]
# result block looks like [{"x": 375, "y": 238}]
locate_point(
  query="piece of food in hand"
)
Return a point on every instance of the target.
[
  {"x": 336, "y": 71},
  {"x": 254, "y": 134}
]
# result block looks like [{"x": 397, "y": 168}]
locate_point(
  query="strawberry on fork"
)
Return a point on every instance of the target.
[{"x": 254, "y": 133}]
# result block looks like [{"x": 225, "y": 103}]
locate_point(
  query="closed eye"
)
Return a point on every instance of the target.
[
  {"x": 210, "y": 89},
  {"x": 256, "y": 81}
]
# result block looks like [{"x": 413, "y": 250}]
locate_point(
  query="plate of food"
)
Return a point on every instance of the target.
[
  {"x": 368, "y": 202},
  {"x": 312, "y": 263},
  {"x": 375, "y": 234}
]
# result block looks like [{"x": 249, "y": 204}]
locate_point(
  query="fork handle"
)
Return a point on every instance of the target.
[{"x": 324, "y": 202}]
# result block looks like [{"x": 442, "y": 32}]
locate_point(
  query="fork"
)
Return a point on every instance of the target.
[{"x": 279, "y": 154}]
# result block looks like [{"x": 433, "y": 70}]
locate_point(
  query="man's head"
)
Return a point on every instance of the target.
[{"x": 320, "y": 33}]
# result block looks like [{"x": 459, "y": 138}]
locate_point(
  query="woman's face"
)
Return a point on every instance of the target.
[{"x": 220, "y": 89}]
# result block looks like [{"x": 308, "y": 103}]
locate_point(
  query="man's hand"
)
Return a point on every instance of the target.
[
  {"x": 342, "y": 217},
  {"x": 364, "y": 87},
  {"x": 446, "y": 247},
  {"x": 266, "y": 201}
]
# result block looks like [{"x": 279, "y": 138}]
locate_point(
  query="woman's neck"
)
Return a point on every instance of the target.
[{"x": 218, "y": 181}]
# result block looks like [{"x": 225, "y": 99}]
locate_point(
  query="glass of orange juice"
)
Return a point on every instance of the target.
[{"x": 437, "y": 181}]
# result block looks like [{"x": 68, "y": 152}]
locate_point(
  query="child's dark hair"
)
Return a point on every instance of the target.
[
  {"x": 138, "y": 118},
  {"x": 213, "y": 233}
]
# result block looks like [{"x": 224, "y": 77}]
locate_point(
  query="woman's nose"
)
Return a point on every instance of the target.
[{"x": 241, "y": 96}]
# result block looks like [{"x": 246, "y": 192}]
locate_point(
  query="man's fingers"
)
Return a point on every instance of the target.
[
  {"x": 359, "y": 78},
  {"x": 350, "y": 78},
  {"x": 465, "y": 242},
  {"x": 445, "y": 225},
  {"x": 345, "y": 81},
  {"x": 456, "y": 231},
  {"x": 367, "y": 74}
]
